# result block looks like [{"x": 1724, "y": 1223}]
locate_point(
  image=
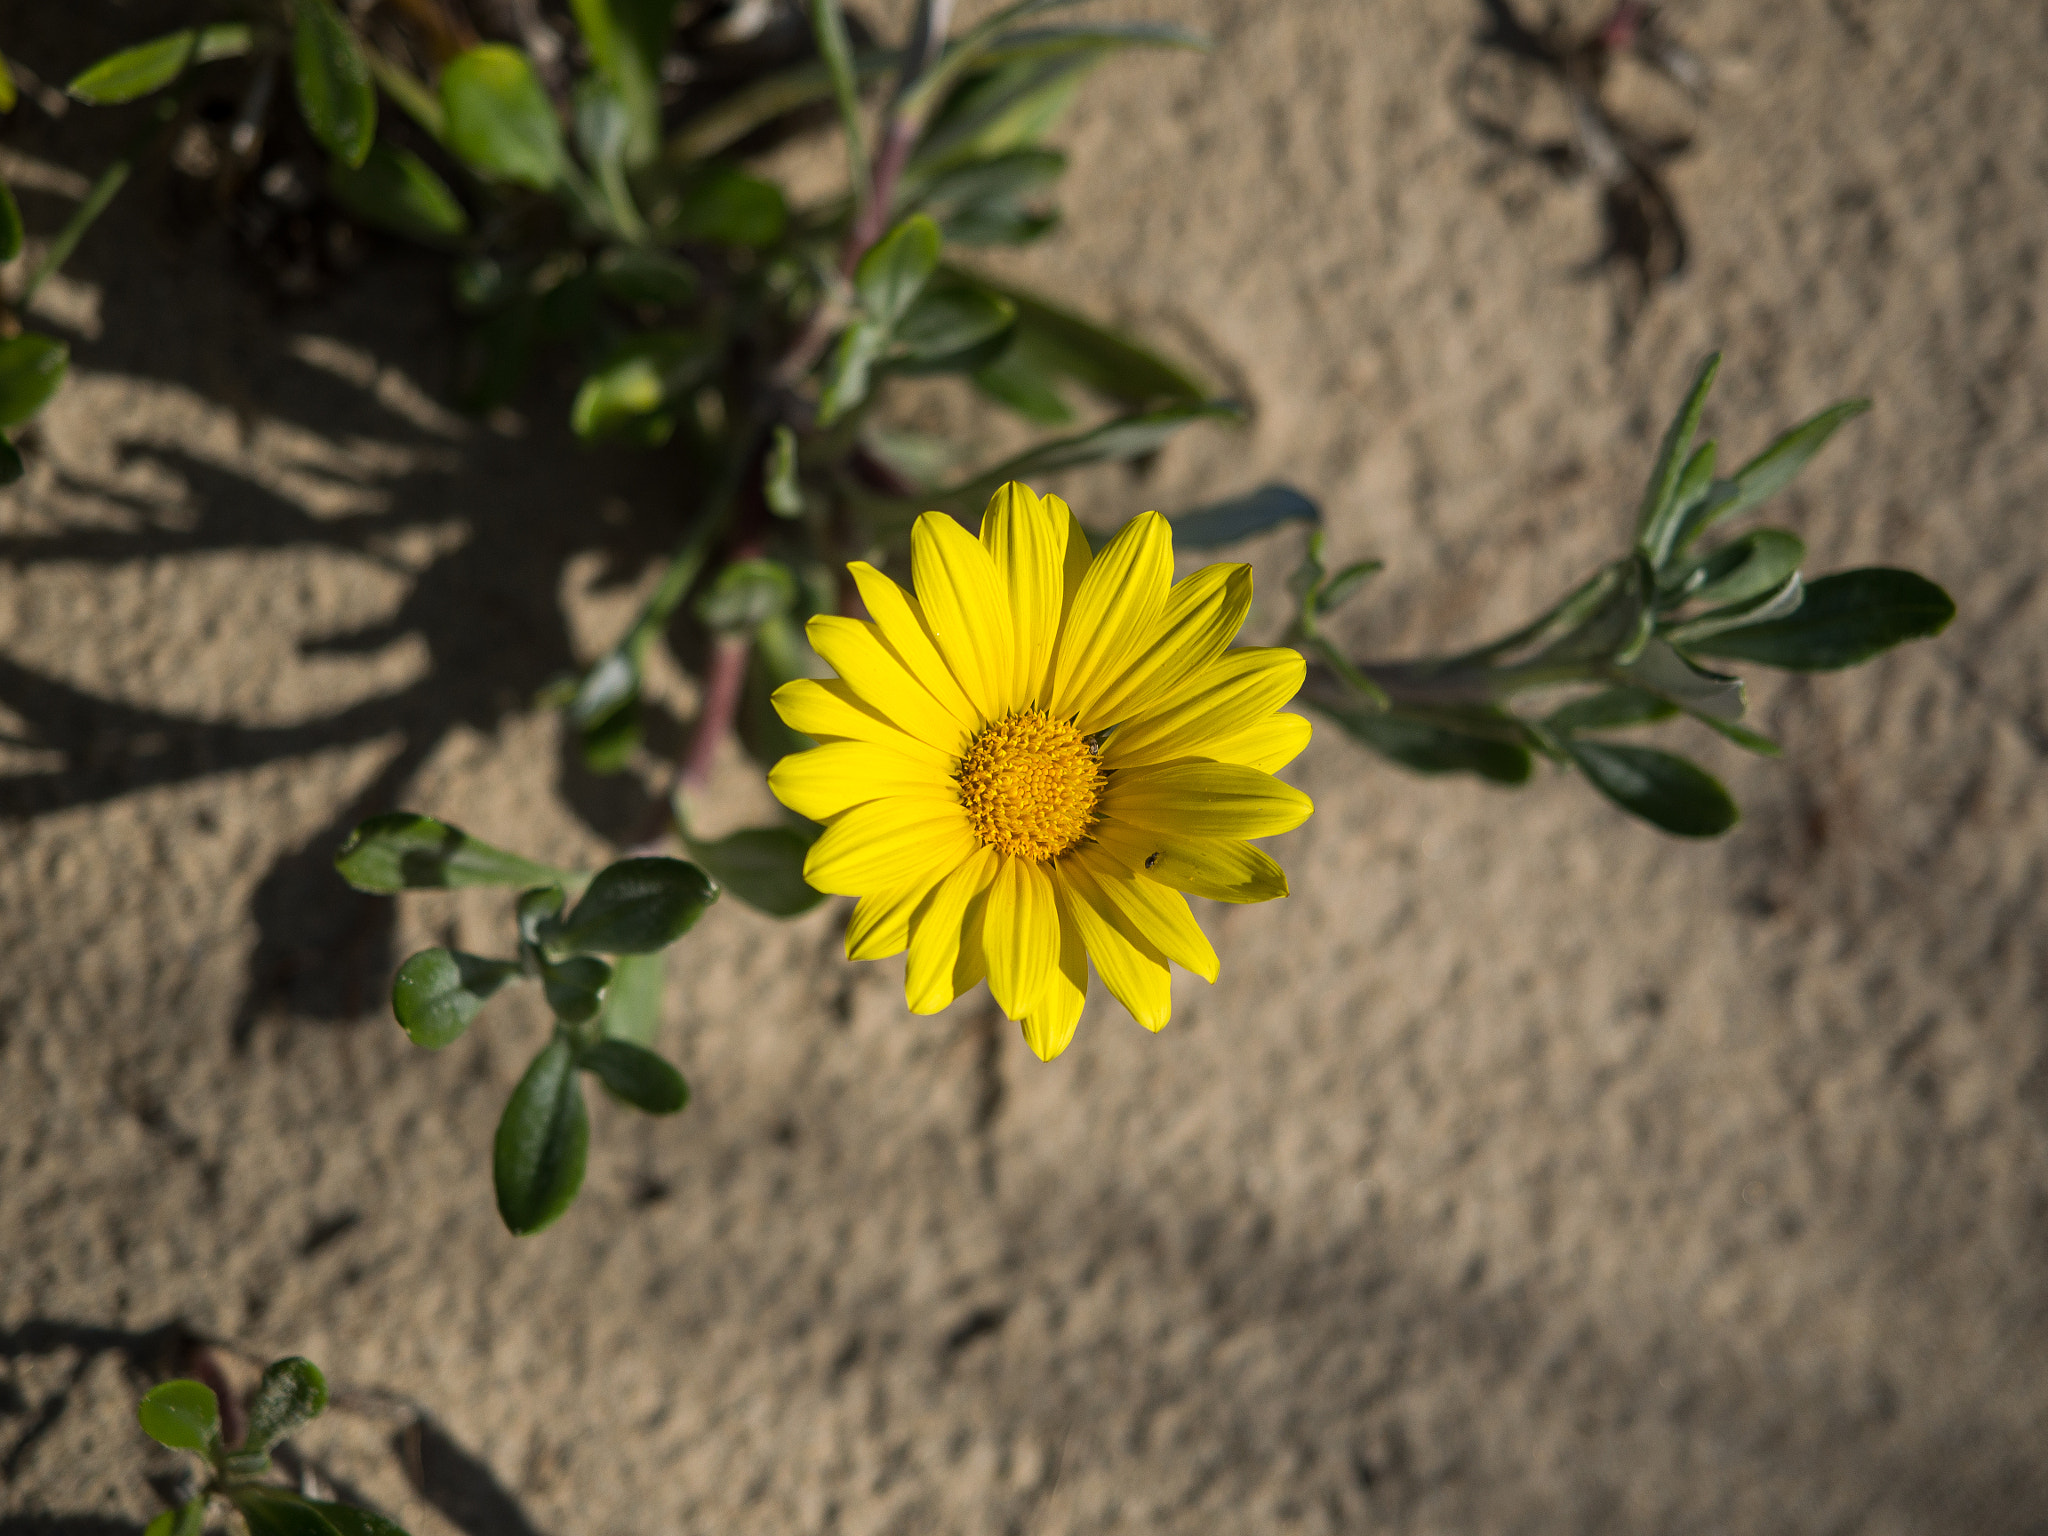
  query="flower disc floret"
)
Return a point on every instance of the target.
[{"x": 1029, "y": 785}]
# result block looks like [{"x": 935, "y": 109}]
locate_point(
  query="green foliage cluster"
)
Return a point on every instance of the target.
[
  {"x": 185, "y": 1415},
  {"x": 597, "y": 215}
]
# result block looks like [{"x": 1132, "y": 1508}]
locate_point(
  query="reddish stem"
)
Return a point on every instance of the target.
[{"x": 725, "y": 680}]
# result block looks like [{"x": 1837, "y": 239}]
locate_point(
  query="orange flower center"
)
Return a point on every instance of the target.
[{"x": 1029, "y": 784}]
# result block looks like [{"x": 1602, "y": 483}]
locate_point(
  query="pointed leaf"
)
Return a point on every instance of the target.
[
  {"x": 1223, "y": 523},
  {"x": 632, "y": 1003},
  {"x": 292, "y": 1393},
  {"x": 395, "y": 190},
  {"x": 10, "y": 224},
  {"x": 274, "y": 1511},
  {"x": 637, "y": 906},
  {"x": 1068, "y": 345},
  {"x": 402, "y": 851},
  {"x": 1772, "y": 470},
  {"x": 1846, "y": 619},
  {"x": 1435, "y": 745},
  {"x": 1129, "y": 437},
  {"x": 1656, "y": 523},
  {"x": 347, "y": 1520},
  {"x": 951, "y": 320},
  {"x": 1755, "y": 563},
  {"x": 1784, "y": 599},
  {"x": 1611, "y": 710},
  {"x": 438, "y": 991},
  {"x": 848, "y": 374},
  {"x": 763, "y": 867},
  {"x": 627, "y": 39},
  {"x": 894, "y": 273},
  {"x": 499, "y": 118},
  {"x": 637, "y": 1076},
  {"x": 31, "y": 367},
  {"x": 543, "y": 1142},
  {"x": 336, "y": 96},
  {"x": 1669, "y": 792},
  {"x": 150, "y": 66}
]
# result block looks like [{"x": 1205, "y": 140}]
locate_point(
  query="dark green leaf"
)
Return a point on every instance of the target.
[
  {"x": 763, "y": 867},
  {"x": 951, "y": 320},
  {"x": 497, "y": 355},
  {"x": 7, "y": 91},
  {"x": 499, "y": 118},
  {"x": 347, "y": 1520},
  {"x": 726, "y": 206},
  {"x": 537, "y": 910},
  {"x": 31, "y": 367},
  {"x": 1429, "y": 746},
  {"x": 999, "y": 178},
  {"x": 632, "y": 1003},
  {"x": 1062, "y": 344},
  {"x": 1009, "y": 107},
  {"x": 1669, "y": 792},
  {"x": 627, "y": 39},
  {"x": 984, "y": 224},
  {"x": 184, "y": 1415},
  {"x": 1772, "y": 470},
  {"x": 188, "y": 1519},
  {"x": 1057, "y": 42},
  {"x": 1613, "y": 621},
  {"x": 402, "y": 851},
  {"x": 1756, "y": 563},
  {"x": 396, "y": 190},
  {"x": 780, "y": 487},
  {"x": 1846, "y": 618},
  {"x": 1777, "y": 603},
  {"x": 847, "y": 375},
  {"x": 608, "y": 744},
  {"x": 1129, "y": 437},
  {"x": 1026, "y": 380},
  {"x": 11, "y": 467},
  {"x": 638, "y": 1076},
  {"x": 10, "y": 225},
  {"x": 438, "y": 991},
  {"x": 892, "y": 274},
  {"x": 155, "y": 64},
  {"x": 643, "y": 378},
  {"x": 274, "y": 1511},
  {"x": 1612, "y": 710},
  {"x": 336, "y": 96},
  {"x": 602, "y": 126},
  {"x": 543, "y": 1141},
  {"x": 637, "y": 906},
  {"x": 1229, "y": 522},
  {"x": 635, "y": 276},
  {"x": 292, "y": 1393},
  {"x": 1656, "y": 524},
  {"x": 1338, "y": 589},
  {"x": 575, "y": 987},
  {"x": 746, "y": 595}
]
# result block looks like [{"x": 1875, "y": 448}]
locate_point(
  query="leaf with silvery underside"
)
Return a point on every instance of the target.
[
  {"x": 291, "y": 1394},
  {"x": 1656, "y": 522},
  {"x": 1846, "y": 618},
  {"x": 395, "y": 190},
  {"x": 439, "y": 991},
  {"x": 1659, "y": 669},
  {"x": 635, "y": 1075},
  {"x": 1223, "y": 523},
  {"x": 402, "y": 851},
  {"x": 543, "y": 1142},
  {"x": 1671, "y": 793},
  {"x": 1757, "y": 562},
  {"x": 1781, "y": 600},
  {"x": 500, "y": 121},
  {"x": 148, "y": 67},
  {"x": 336, "y": 96},
  {"x": 1768, "y": 473}
]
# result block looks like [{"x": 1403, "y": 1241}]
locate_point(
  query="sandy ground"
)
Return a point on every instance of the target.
[{"x": 1525, "y": 1172}]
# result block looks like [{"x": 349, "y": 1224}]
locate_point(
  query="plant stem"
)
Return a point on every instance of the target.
[{"x": 725, "y": 681}]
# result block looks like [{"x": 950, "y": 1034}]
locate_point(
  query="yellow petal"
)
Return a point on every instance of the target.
[
  {"x": 1074, "y": 561},
  {"x": 836, "y": 777},
  {"x": 967, "y": 609},
  {"x": 1268, "y": 746},
  {"x": 887, "y": 843},
  {"x": 878, "y": 677},
  {"x": 880, "y": 925},
  {"x": 1198, "y": 799},
  {"x": 1050, "y": 1028},
  {"x": 1239, "y": 689},
  {"x": 1021, "y": 935},
  {"x": 1028, "y": 544},
  {"x": 1218, "y": 868},
  {"x": 1143, "y": 910},
  {"x": 1202, "y": 616},
  {"x": 903, "y": 627},
  {"x": 830, "y": 710},
  {"x": 1131, "y": 967},
  {"x": 1119, "y": 601},
  {"x": 946, "y": 954}
]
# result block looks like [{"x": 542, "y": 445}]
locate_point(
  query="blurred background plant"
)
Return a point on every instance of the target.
[{"x": 593, "y": 175}]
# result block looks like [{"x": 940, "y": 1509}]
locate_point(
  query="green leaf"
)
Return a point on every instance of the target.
[
  {"x": 184, "y": 1415},
  {"x": 395, "y": 190},
  {"x": 608, "y": 744},
  {"x": 1128, "y": 437},
  {"x": 636, "y": 276},
  {"x": 637, "y": 906},
  {"x": 780, "y": 487},
  {"x": 953, "y": 325},
  {"x": 892, "y": 274},
  {"x": 762, "y": 866},
  {"x": 828, "y": 31},
  {"x": 438, "y": 991},
  {"x": 1436, "y": 745},
  {"x": 499, "y": 118},
  {"x": 1026, "y": 380},
  {"x": 1756, "y": 563},
  {"x": 1613, "y": 709},
  {"x": 163, "y": 1525},
  {"x": 151, "y": 66},
  {"x": 292, "y": 1393},
  {"x": 1062, "y": 344},
  {"x": 1223, "y": 523},
  {"x": 1659, "y": 669},
  {"x": 347, "y": 1520},
  {"x": 402, "y": 851},
  {"x": 847, "y": 375},
  {"x": 537, "y": 910},
  {"x": 7, "y": 91},
  {"x": 1656, "y": 524},
  {"x": 575, "y": 987},
  {"x": 1670, "y": 793},
  {"x": 1770, "y": 471},
  {"x": 637, "y": 385},
  {"x": 1846, "y": 618},
  {"x": 31, "y": 367},
  {"x": 336, "y": 96},
  {"x": 632, "y": 1003},
  {"x": 993, "y": 179},
  {"x": 543, "y": 1142},
  {"x": 638, "y": 1076},
  {"x": 274, "y": 1511},
  {"x": 627, "y": 39},
  {"x": 723, "y": 205},
  {"x": 1777, "y": 603},
  {"x": 11, "y": 467},
  {"x": 188, "y": 1519},
  {"x": 10, "y": 224},
  {"x": 746, "y": 595}
]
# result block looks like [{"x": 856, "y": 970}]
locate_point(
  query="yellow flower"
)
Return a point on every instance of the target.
[{"x": 1022, "y": 765}]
